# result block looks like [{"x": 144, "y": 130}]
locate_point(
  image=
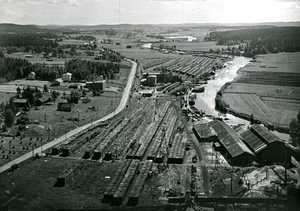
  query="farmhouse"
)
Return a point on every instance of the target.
[
  {"x": 31, "y": 76},
  {"x": 67, "y": 77},
  {"x": 231, "y": 146}
]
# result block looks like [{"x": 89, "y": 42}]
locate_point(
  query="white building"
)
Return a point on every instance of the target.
[
  {"x": 67, "y": 77},
  {"x": 31, "y": 76}
]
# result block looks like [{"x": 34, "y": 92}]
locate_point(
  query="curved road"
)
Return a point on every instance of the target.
[{"x": 122, "y": 105}]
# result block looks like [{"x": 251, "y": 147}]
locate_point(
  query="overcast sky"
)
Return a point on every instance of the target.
[{"x": 67, "y": 12}]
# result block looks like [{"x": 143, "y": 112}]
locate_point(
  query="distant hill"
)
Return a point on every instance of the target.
[{"x": 15, "y": 28}]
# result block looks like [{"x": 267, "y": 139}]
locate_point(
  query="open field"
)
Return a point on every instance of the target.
[
  {"x": 268, "y": 89},
  {"x": 193, "y": 46},
  {"x": 280, "y": 62}
]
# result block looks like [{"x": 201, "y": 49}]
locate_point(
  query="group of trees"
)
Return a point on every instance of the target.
[
  {"x": 14, "y": 68},
  {"x": 88, "y": 70},
  {"x": 260, "y": 40},
  {"x": 295, "y": 130},
  {"x": 38, "y": 42},
  {"x": 11, "y": 68}
]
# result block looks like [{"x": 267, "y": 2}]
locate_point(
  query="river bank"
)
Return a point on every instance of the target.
[{"x": 211, "y": 101}]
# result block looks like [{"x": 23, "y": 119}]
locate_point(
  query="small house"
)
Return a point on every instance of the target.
[
  {"x": 31, "y": 76},
  {"x": 67, "y": 77}
]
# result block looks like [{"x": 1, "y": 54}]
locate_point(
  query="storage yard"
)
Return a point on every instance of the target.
[{"x": 159, "y": 149}]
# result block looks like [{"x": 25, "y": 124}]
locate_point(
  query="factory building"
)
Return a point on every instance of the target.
[
  {"x": 205, "y": 133},
  {"x": 268, "y": 148},
  {"x": 231, "y": 146}
]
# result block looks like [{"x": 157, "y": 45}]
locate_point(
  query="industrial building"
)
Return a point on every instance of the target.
[
  {"x": 205, "y": 133},
  {"x": 268, "y": 148},
  {"x": 234, "y": 149}
]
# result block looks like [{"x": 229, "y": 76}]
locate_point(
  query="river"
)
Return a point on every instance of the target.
[{"x": 206, "y": 101}]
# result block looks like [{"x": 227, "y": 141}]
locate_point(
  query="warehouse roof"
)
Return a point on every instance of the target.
[
  {"x": 229, "y": 139},
  {"x": 264, "y": 133},
  {"x": 204, "y": 130},
  {"x": 254, "y": 142}
]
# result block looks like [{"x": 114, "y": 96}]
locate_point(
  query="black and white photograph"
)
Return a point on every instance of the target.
[{"x": 149, "y": 105}]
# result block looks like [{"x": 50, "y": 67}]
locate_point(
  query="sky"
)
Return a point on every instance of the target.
[{"x": 92, "y": 12}]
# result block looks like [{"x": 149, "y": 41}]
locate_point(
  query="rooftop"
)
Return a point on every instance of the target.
[
  {"x": 204, "y": 130},
  {"x": 254, "y": 142},
  {"x": 264, "y": 133},
  {"x": 229, "y": 139}
]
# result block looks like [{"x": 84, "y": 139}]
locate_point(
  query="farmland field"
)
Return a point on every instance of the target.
[
  {"x": 272, "y": 83},
  {"x": 194, "y": 46}
]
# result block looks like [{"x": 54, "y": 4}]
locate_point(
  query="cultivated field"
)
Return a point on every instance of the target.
[{"x": 268, "y": 88}]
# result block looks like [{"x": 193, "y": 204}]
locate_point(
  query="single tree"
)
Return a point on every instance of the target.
[{"x": 9, "y": 117}]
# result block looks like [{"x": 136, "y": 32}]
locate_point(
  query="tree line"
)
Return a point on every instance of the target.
[
  {"x": 38, "y": 42},
  {"x": 89, "y": 70},
  {"x": 260, "y": 40},
  {"x": 15, "y": 68}
]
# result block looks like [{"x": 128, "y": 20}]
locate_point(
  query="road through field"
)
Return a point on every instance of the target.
[{"x": 121, "y": 107}]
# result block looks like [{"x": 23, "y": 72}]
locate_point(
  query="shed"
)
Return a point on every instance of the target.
[
  {"x": 64, "y": 106},
  {"x": 96, "y": 85},
  {"x": 152, "y": 80},
  {"x": 205, "y": 133},
  {"x": 234, "y": 149},
  {"x": 21, "y": 103},
  {"x": 147, "y": 93}
]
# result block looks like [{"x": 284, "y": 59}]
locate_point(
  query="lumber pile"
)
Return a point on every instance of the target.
[{"x": 138, "y": 183}]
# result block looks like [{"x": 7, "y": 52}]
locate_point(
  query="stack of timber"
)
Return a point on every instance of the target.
[
  {"x": 156, "y": 145},
  {"x": 138, "y": 184},
  {"x": 145, "y": 143},
  {"x": 122, "y": 189},
  {"x": 97, "y": 140},
  {"x": 113, "y": 185},
  {"x": 176, "y": 153},
  {"x": 139, "y": 148},
  {"x": 135, "y": 147},
  {"x": 67, "y": 149},
  {"x": 98, "y": 153}
]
